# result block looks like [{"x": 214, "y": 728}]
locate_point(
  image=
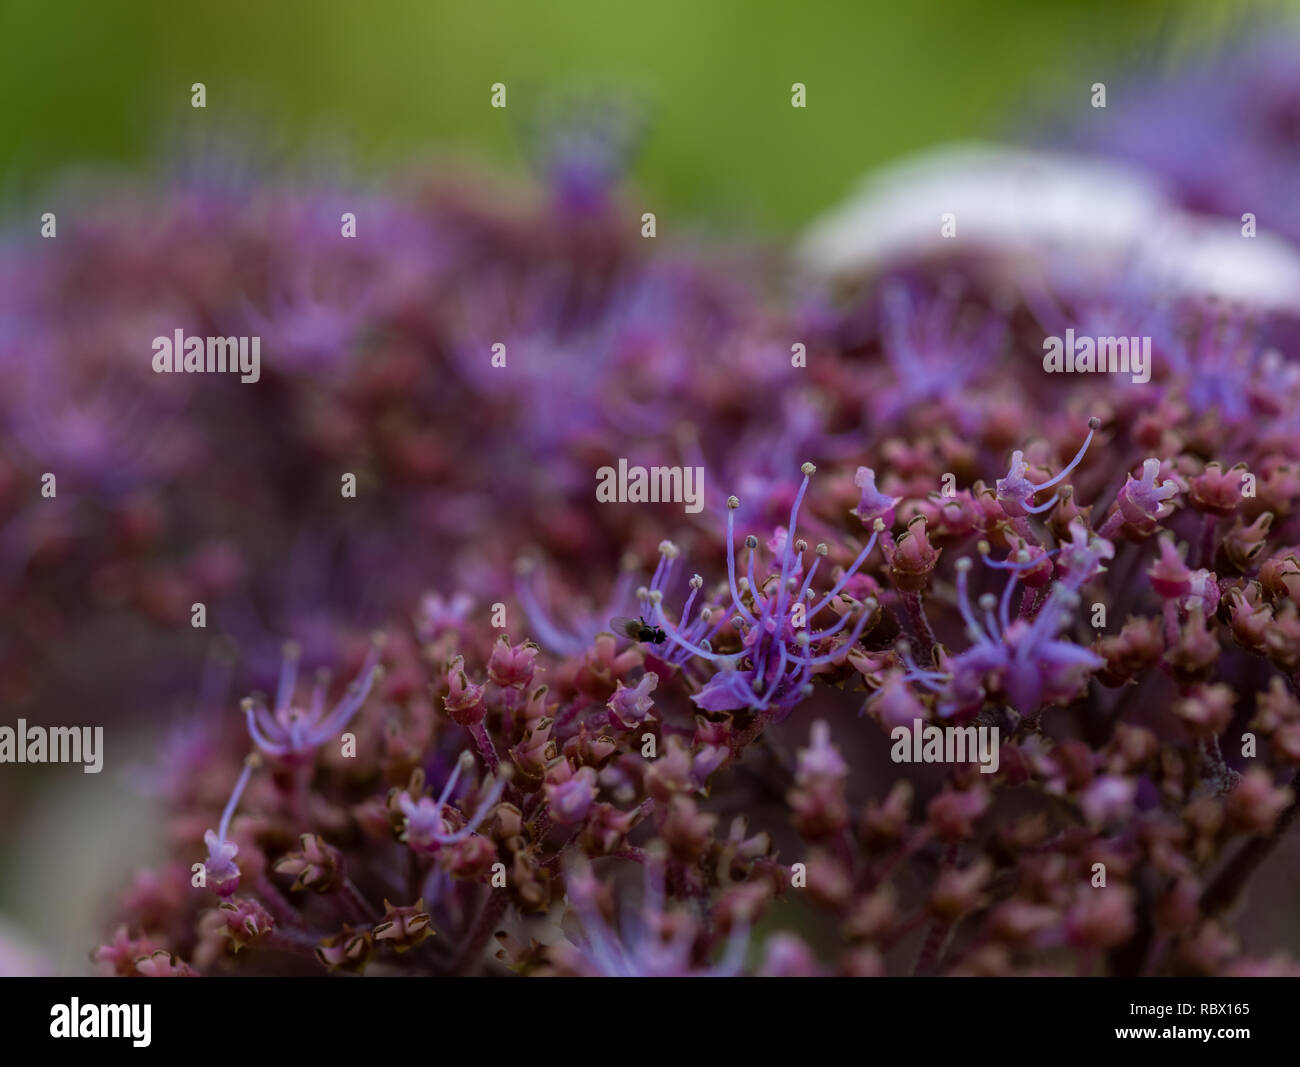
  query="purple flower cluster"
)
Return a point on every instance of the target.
[{"x": 1100, "y": 575}]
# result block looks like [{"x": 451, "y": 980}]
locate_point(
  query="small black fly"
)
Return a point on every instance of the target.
[{"x": 638, "y": 629}]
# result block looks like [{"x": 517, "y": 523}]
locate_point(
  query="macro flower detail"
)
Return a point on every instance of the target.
[
  {"x": 873, "y": 504},
  {"x": 162, "y": 964},
  {"x": 775, "y": 619},
  {"x": 244, "y": 921},
  {"x": 220, "y": 869},
  {"x": 1142, "y": 502},
  {"x": 1023, "y": 658},
  {"x": 349, "y": 950},
  {"x": 437, "y": 615},
  {"x": 1016, "y": 492},
  {"x": 990, "y": 666},
  {"x": 569, "y": 798},
  {"x": 402, "y": 928},
  {"x": 316, "y": 866},
  {"x": 631, "y": 706},
  {"x": 290, "y": 731},
  {"x": 431, "y": 824},
  {"x": 647, "y": 941},
  {"x": 122, "y": 952}
]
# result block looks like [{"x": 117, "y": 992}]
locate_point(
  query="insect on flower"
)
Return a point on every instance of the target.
[{"x": 638, "y": 629}]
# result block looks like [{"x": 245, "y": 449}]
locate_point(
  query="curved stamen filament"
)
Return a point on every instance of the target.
[
  {"x": 288, "y": 675},
  {"x": 789, "y": 531},
  {"x": 227, "y": 814},
  {"x": 262, "y": 741},
  {"x": 671, "y": 632},
  {"x": 1078, "y": 456},
  {"x": 846, "y": 576},
  {"x": 839, "y": 651},
  {"x": 973, "y": 628},
  {"x": 731, "y": 566},
  {"x": 776, "y": 677},
  {"x": 807, "y": 578}
]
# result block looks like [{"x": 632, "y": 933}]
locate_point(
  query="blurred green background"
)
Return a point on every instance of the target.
[{"x": 96, "y": 80}]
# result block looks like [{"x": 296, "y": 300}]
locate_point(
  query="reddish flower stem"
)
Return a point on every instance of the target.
[
  {"x": 925, "y": 633},
  {"x": 468, "y": 956},
  {"x": 486, "y": 749},
  {"x": 1231, "y": 881}
]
